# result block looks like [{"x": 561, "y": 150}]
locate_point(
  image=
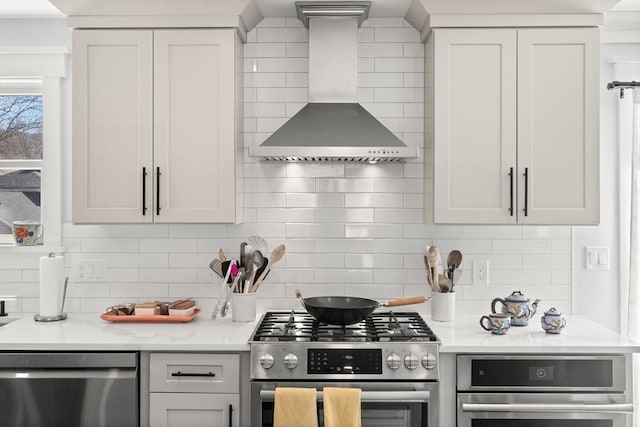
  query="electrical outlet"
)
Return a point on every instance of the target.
[
  {"x": 90, "y": 271},
  {"x": 480, "y": 272}
]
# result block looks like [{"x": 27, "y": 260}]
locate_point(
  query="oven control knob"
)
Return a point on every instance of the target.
[
  {"x": 393, "y": 361},
  {"x": 291, "y": 361},
  {"x": 411, "y": 361},
  {"x": 428, "y": 361},
  {"x": 266, "y": 361}
]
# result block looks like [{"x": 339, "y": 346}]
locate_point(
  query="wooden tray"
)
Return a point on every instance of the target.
[{"x": 156, "y": 318}]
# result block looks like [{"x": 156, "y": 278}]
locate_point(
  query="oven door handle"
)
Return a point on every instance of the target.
[
  {"x": 370, "y": 396},
  {"x": 612, "y": 408}
]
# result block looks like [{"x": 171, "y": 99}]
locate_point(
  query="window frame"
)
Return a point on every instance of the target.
[{"x": 44, "y": 69}]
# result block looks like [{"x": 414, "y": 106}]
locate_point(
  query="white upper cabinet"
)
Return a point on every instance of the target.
[
  {"x": 515, "y": 125},
  {"x": 157, "y": 126}
]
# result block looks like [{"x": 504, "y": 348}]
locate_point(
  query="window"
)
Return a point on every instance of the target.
[
  {"x": 21, "y": 140},
  {"x": 31, "y": 85}
]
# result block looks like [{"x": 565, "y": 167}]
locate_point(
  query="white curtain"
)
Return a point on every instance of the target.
[{"x": 629, "y": 199}]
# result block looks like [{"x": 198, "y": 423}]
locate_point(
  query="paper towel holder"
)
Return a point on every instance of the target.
[{"x": 62, "y": 315}]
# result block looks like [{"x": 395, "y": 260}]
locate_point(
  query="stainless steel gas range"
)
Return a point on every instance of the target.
[{"x": 391, "y": 356}]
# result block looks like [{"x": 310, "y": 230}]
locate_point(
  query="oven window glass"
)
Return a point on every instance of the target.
[{"x": 541, "y": 423}]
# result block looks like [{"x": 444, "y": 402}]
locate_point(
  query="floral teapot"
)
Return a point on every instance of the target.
[{"x": 517, "y": 305}]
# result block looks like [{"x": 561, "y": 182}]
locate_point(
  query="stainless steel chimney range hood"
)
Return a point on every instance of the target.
[{"x": 333, "y": 127}]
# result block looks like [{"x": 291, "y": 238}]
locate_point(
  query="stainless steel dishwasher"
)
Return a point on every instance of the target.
[{"x": 69, "y": 389}]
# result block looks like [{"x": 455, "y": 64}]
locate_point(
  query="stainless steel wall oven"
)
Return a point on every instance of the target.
[
  {"x": 544, "y": 391},
  {"x": 392, "y": 357}
]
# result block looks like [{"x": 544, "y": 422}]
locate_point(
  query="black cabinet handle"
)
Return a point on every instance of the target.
[
  {"x": 192, "y": 374},
  {"x": 230, "y": 415},
  {"x": 526, "y": 191},
  {"x": 158, "y": 190},
  {"x": 144, "y": 191},
  {"x": 511, "y": 191}
]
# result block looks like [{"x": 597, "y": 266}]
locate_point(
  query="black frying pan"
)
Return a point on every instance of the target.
[{"x": 348, "y": 310}]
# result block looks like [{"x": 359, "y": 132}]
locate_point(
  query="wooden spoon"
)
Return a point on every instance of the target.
[
  {"x": 276, "y": 255},
  {"x": 429, "y": 275},
  {"x": 454, "y": 259},
  {"x": 433, "y": 254}
]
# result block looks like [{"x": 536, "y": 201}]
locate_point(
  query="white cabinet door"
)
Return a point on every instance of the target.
[
  {"x": 474, "y": 125},
  {"x": 112, "y": 125},
  {"x": 558, "y": 130},
  {"x": 193, "y": 410},
  {"x": 194, "y": 149},
  {"x": 515, "y": 126}
]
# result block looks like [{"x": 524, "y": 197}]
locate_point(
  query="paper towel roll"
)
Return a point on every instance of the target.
[{"x": 51, "y": 284}]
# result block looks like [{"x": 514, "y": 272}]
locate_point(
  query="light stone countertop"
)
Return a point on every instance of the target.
[
  {"x": 581, "y": 335},
  {"x": 87, "y": 332}
]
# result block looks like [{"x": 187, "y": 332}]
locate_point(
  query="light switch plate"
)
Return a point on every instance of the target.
[{"x": 597, "y": 257}]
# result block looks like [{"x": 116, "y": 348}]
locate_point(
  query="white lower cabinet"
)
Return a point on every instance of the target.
[
  {"x": 194, "y": 389},
  {"x": 194, "y": 410}
]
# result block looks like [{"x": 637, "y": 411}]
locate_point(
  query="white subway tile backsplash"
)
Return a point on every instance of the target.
[
  {"x": 373, "y": 80},
  {"x": 413, "y": 50},
  {"x": 143, "y": 230},
  {"x": 275, "y": 22},
  {"x": 297, "y": 170},
  {"x": 344, "y": 185},
  {"x": 262, "y": 200},
  {"x": 373, "y": 200},
  {"x": 389, "y": 231},
  {"x": 109, "y": 245},
  {"x": 253, "y": 79},
  {"x": 523, "y": 246},
  {"x": 269, "y": 124},
  {"x": 291, "y": 35},
  {"x": 397, "y": 35},
  {"x": 282, "y": 95},
  {"x": 365, "y": 35},
  {"x": 196, "y": 230},
  {"x": 377, "y": 50},
  {"x": 373, "y": 261},
  {"x": 347, "y": 275},
  {"x": 128, "y": 291},
  {"x": 264, "y": 50},
  {"x": 297, "y": 80},
  {"x": 169, "y": 245},
  {"x": 315, "y": 229},
  {"x": 297, "y": 50},
  {"x": 316, "y": 260},
  {"x": 158, "y": 260},
  {"x": 283, "y": 65},
  {"x": 168, "y": 275},
  {"x": 345, "y": 245},
  {"x": 390, "y": 65},
  {"x": 288, "y": 215},
  {"x": 344, "y": 215},
  {"x": 383, "y": 22},
  {"x": 314, "y": 200}
]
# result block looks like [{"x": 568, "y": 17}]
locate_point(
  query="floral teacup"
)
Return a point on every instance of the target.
[
  {"x": 27, "y": 233},
  {"x": 496, "y": 323}
]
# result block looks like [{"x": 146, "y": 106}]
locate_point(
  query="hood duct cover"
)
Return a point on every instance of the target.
[{"x": 333, "y": 127}]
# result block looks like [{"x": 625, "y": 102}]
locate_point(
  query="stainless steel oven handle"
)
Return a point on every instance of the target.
[
  {"x": 612, "y": 408},
  {"x": 370, "y": 396},
  {"x": 27, "y": 374}
]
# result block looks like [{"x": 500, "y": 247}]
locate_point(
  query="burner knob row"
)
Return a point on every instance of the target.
[{"x": 411, "y": 361}]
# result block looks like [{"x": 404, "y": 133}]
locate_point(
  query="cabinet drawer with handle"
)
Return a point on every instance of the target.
[{"x": 194, "y": 373}]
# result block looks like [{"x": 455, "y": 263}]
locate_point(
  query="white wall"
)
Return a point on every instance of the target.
[
  {"x": 349, "y": 229},
  {"x": 597, "y": 293}
]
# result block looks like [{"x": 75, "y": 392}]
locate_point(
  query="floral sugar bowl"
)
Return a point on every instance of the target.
[{"x": 553, "y": 322}]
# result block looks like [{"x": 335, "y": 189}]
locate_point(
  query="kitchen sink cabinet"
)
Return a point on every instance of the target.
[
  {"x": 513, "y": 118},
  {"x": 157, "y": 126},
  {"x": 189, "y": 389}
]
